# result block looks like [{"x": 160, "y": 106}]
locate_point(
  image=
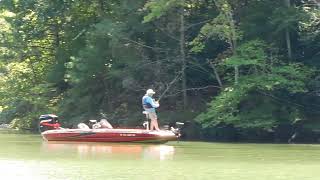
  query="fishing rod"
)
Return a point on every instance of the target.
[{"x": 170, "y": 84}]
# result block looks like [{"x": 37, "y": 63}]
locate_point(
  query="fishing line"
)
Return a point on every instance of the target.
[
  {"x": 170, "y": 84},
  {"x": 291, "y": 102}
]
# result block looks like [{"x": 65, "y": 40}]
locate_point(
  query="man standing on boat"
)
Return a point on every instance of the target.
[{"x": 150, "y": 105}]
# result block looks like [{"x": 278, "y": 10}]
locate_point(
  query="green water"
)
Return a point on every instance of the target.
[{"x": 28, "y": 157}]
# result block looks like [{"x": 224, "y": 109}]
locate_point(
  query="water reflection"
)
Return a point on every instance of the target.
[{"x": 151, "y": 151}]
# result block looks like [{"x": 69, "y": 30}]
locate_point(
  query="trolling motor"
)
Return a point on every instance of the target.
[
  {"x": 177, "y": 130},
  {"x": 48, "y": 122}
]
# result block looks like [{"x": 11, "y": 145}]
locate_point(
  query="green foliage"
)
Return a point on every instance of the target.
[
  {"x": 159, "y": 8},
  {"x": 250, "y": 53},
  {"x": 249, "y": 104},
  {"x": 21, "y": 99},
  {"x": 221, "y": 28},
  {"x": 90, "y": 59},
  {"x": 284, "y": 17}
]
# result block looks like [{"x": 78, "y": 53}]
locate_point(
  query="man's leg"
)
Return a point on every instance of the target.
[
  {"x": 148, "y": 121},
  {"x": 156, "y": 126},
  {"x": 154, "y": 121},
  {"x": 151, "y": 124}
]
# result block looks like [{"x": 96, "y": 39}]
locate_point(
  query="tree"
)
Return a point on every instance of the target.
[
  {"x": 253, "y": 103},
  {"x": 221, "y": 27}
]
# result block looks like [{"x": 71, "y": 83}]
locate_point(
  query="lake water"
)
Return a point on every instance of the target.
[{"x": 29, "y": 157}]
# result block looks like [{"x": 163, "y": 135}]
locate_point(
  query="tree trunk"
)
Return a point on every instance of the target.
[
  {"x": 232, "y": 36},
  {"x": 101, "y": 12},
  {"x": 287, "y": 34},
  {"x": 216, "y": 74},
  {"x": 236, "y": 74},
  {"x": 234, "y": 45},
  {"x": 183, "y": 59},
  {"x": 56, "y": 32}
]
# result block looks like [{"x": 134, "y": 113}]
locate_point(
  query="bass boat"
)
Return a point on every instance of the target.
[{"x": 51, "y": 131}]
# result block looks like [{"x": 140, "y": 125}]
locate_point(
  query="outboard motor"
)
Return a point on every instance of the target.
[{"x": 48, "y": 122}]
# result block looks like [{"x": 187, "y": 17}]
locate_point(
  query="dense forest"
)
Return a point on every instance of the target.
[{"x": 231, "y": 70}]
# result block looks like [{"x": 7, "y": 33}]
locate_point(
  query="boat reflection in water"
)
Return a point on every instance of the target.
[{"x": 147, "y": 151}]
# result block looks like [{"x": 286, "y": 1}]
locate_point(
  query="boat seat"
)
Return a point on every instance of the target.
[
  {"x": 93, "y": 121},
  {"x": 146, "y": 113},
  {"x": 105, "y": 124},
  {"x": 82, "y": 126},
  {"x": 146, "y": 125}
]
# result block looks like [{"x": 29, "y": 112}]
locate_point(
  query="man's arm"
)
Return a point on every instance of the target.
[{"x": 153, "y": 103}]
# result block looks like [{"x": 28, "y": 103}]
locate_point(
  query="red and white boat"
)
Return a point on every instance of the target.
[
  {"x": 53, "y": 132},
  {"x": 109, "y": 135}
]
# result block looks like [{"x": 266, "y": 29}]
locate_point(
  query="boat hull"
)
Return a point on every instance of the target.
[{"x": 109, "y": 135}]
